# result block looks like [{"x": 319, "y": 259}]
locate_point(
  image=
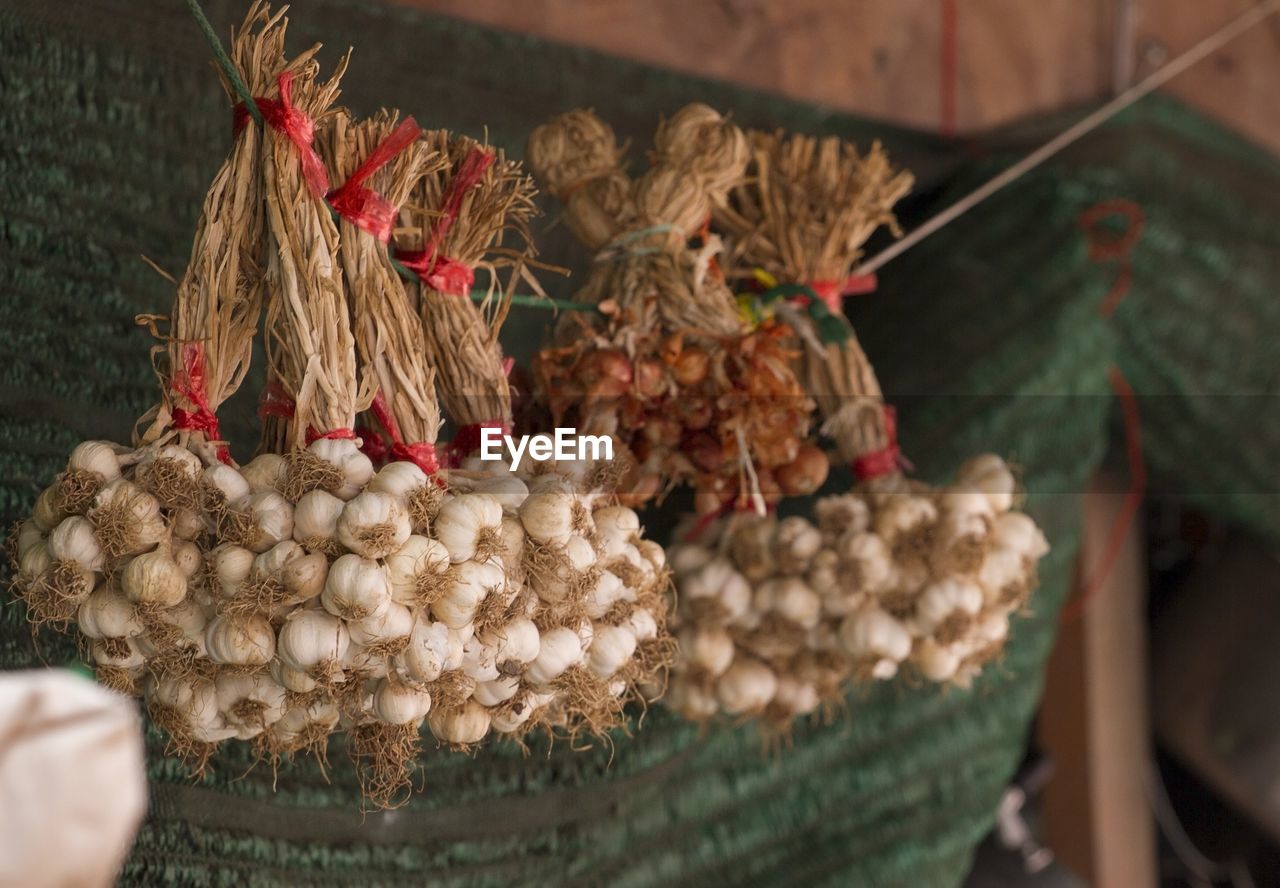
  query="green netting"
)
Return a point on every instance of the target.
[
  {"x": 109, "y": 131},
  {"x": 1196, "y": 330}
]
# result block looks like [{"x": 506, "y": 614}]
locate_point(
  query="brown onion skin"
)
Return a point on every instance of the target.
[{"x": 804, "y": 474}]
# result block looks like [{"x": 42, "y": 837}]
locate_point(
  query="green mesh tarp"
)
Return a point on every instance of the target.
[{"x": 111, "y": 125}]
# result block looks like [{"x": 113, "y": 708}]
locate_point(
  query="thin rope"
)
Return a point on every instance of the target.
[
  {"x": 251, "y": 105},
  {"x": 1197, "y": 53}
]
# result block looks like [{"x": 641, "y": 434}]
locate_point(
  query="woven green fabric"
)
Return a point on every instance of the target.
[
  {"x": 1196, "y": 331},
  {"x": 110, "y": 132}
]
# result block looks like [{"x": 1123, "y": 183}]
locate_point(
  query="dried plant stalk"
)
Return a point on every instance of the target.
[
  {"x": 311, "y": 349},
  {"x": 458, "y": 217},
  {"x": 802, "y": 215},
  {"x": 219, "y": 299},
  {"x": 389, "y": 337}
]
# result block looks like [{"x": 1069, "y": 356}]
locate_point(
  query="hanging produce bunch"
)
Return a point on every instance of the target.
[
  {"x": 778, "y": 616},
  {"x": 693, "y": 391},
  {"x": 310, "y": 592}
]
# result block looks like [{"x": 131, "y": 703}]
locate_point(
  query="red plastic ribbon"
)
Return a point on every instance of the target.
[
  {"x": 888, "y": 458},
  {"x": 422, "y": 454},
  {"x": 831, "y": 292},
  {"x": 470, "y": 436},
  {"x": 1107, "y": 247},
  {"x": 440, "y": 273},
  {"x": 189, "y": 382},
  {"x": 275, "y": 401},
  {"x": 281, "y": 115},
  {"x": 333, "y": 434},
  {"x": 363, "y": 207}
]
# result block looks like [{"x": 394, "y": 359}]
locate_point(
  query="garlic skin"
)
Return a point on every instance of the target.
[
  {"x": 298, "y": 720},
  {"x": 479, "y": 663},
  {"x": 188, "y": 557},
  {"x": 937, "y": 662},
  {"x": 265, "y": 473},
  {"x": 721, "y": 586},
  {"x": 746, "y": 687},
  {"x": 1018, "y": 532},
  {"x": 904, "y": 513},
  {"x": 558, "y": 649},
  {"x": 573, "y": 562},
  {"x": 108, "y": 614},
  {"x": 547, "y": 513},
  {"x": 187, "y": 524},
  {"x": 841, "y": 515},
  {"x": 496, "y": 692},
  {"x": 36, "y": 560},
  {"x": 515, "y": 644},
  {"x": 874, "y": 636},
  {"x": 272, "y": 516},
  {"x": 643, "y": 625},
  {"x": 468, "y": 584},
  {"x": 356, "y": 588},
  {"x": 312, "y": 640},
  {"x": 398, "y": 479},
  {"x": 231, "y": 567},
  {"x": 432, "y": 650},
  {"x": 98, "y": 457},
  {"x": 373, "y": 525},
  {"x": 249, "y": 703},
  {"x": 400, "y": 703},
  {"x": 186, "y": 461},
  {"x": 416, "y": 568},
  {"x": 240, "y": 641},
  {"x": 470, "y": 526},
  {"x": 154, "y": 579},
  {"x": 460, "y": 727},
  {"x": 315, "y": 518},
  {"x": 131, "y": 659},
  {"x": 230, "y": 483},
  {"x": 610, "y": 650},
  {"x": 604, "y": 593},
  {"x": 291, "y": 679},
  {"x": 74, "y": 540},
  {"x": 989, "y": 475},
  {"x": 356, "y": 468},
  {"x": 708, "y": 649},
  {"x": 196, "y": 699},
  {"x": 29, "y": 535},
  {"x": 689, "y": 559},
  {"x": 304, "y": 577},
  {"x": 48, "y": 512},
  {"x": 396, "y": 622}
]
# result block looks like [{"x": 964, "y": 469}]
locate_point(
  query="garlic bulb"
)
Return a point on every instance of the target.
[
  {"x": 841, "y": 515},
  {"x": 417, "y": 570},
  {"x": 272, "y": 519},
  {"x": 902, "y": 514},
  {"x": 292, "y": 679},
  {"x": 97, "y": 457},
  {"x": 183, "y": 461},
  {"x": 796, "y": 697},
  {"x": 393, "y": 624},
  {"x": 48, "y": 512},
  {"x": 318, "y": 716},
  {"x": 515, "y": 644},
  {"x": 231, "y": 484},
  {"x": 399, "y": 479},
  {"x": 746, "y": 687},
  {"x": 119, "y": 653},
  {"x": 479, "y": 662},
  {"x": 875, "y": 637},
  {"x": 558, "y": 649},
  {"x": 240, "y": 641},
  {"x": 460, "y": 727},
  {"x": 373, "y": 525},
  {"x": 154, "y": 579},
  {"x": 468, "y": 584},
  {"x": 1019, "y": 533},
  {"x": 264, "y": 473},
  {"x": 187, "y": 524},
  {"x": 937, "y": 662},
  {"x": 795, "y": 544},
  {"x": 315, "y": 519},
  {"x": 946, "y": 601},
  {"x": 36, "y": 560},
  {"x": 604, "y": 593},
  {"x": 990, "y": 475},
  {"x": 610, "y": 650},
  {"x": 312, "y": 641},
  {"x": 865, "y": 560},
  {"x": 708, "y": 649},
  {"x": 792, "y": 600},
  {"x": 721, "y": 588},
  {"x": 188, "y": 557},
  {"x": 355, "y": 468},
  {"x": 108, "y": 614},
  {"x": 29, "y": 535},
  {"x": 567, "y": 571},
  {"x": 470, "y": 527},
  {"x": 692, "y": 701},
  {"x": 356, "y": 588},
  {"x": 432, "y": 649},
  {"x": 231, "y": 567},
  {"x": 642, "y": 624},
  {"x": 508, "y": 490},
  {"x": 400, "y": 703},
  {"x": 249, "y": 703},
  {"x": 547, "y": 513},
  {"x": 195, "y": 699},
  {"x": 74, "y": 540},
  {"x": 304, "y": 576},
  {"x": 496, "y": 692}
]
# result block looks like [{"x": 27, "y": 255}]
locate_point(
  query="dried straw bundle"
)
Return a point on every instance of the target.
[
  {"x": 690, "y": 391},
  {"x": 459, "y": 216},
  {"x": 777, "y": 617}
]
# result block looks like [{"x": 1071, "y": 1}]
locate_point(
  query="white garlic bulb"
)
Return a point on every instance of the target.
[
  {"x": 48, "y": 511},
  {"x": 610, "y": 650},
  {"x": 515, "y": 643},
  {"x": 643, "y": 625},
  {"x": 399, "y": 479},
  {"x": 692, "y": 701},
  {"x": 468, "y": 584},
  {"x": 991, "y": 476},
  {"x": 188, "y": 557},
  {"x": 947, "y": 599},
  {"x": 272, "y": 518},
  {"x": 746, "y": 687},
  {"x": 291, "y": 679},
  {"x": 315, "y": 518},
  {"x": 194, "y": 698},
  {"x": 75, "y": 540},
  {"x": 508, "y": 490},
  {"x": 470, "y": 527},
  {"x": 373, "y": 525},
  {"x": 796, "y": 697},
  {"x": 249, "y": 703},
  {"x": 496, "y": 692},
  {"x": 432, "y": 650},
  {"x": 400, "y": 702},
  {"x": 356, "y": 588},
  {"x": 125, "y": 656},
  {"x": 264, "y": 473},
  {"x": 97, "y": 457},
  {"x": 304, "y": 576},
  {"x": 240, "y": 640},
  {"x": 108, "y": 614},
  {"x": 231, "y": 567},
  {"x": 709, "y": 649},
  {"x": 344, "y": 453},
  {"x": 874, "y": 636},
  {"x": 396, "y": 622},
  {"x": 568, "y": 570},
  {"x": 154, "y": 579},
  {"x": 312, "y": 640},
  {"x": 416, "y": 571},
  {"x": 558, "y": 649},
  {"x": 460, "y": 727},
  {"x": 606, "y": 591},
  {"x": 1018, "y": 532},
  {"x": 547, "y": 513},
  {"x": 227, "y": 481}
]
